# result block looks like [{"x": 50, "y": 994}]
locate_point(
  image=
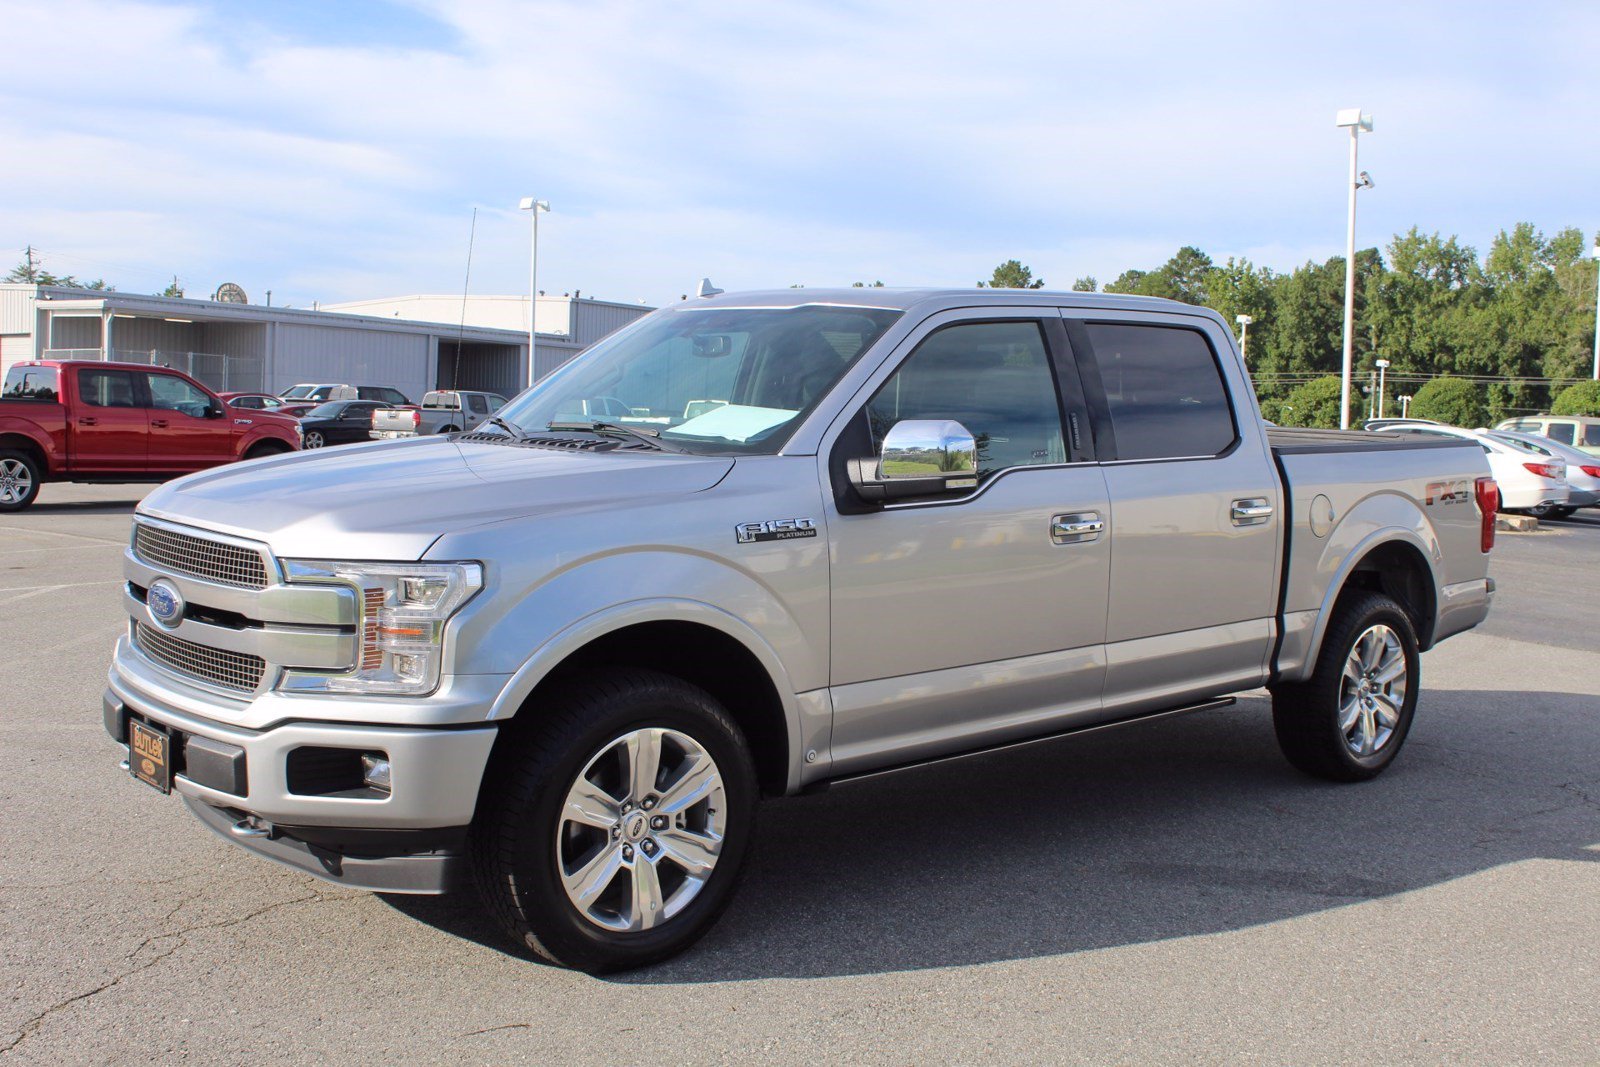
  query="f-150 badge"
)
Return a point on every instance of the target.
[{"x": 774, "y": 530}]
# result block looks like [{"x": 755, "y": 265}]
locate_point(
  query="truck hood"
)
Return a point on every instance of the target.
[{"x": 391, "y": 500}]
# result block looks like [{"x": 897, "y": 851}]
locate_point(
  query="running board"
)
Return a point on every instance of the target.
[{"x": 1168, "y": 713}]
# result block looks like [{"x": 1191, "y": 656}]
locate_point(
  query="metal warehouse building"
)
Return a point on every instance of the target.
[{"x": 235, "y": 347}]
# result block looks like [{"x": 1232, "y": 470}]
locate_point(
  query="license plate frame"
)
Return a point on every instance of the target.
[{"x": 150, "y": 754}]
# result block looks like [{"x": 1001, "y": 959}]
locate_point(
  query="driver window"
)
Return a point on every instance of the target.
[
  {"x": 992, "y": 377},
  {"x": 175, "y": 394}
]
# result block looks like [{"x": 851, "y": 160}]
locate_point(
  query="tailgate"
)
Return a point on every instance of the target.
[{"x": 400, "y": 419}]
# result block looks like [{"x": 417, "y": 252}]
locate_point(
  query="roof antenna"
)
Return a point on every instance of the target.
[{"x": 707, "y": 289}]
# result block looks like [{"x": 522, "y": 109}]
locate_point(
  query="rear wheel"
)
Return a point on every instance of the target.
[
  {"x": 612, "y": 831},
  {"x": 19, "y": 480},
  {"x": 451, "y": 429},
  {"x": 1348, "y": 722}
]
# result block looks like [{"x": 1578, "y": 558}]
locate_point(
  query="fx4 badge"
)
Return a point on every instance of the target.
[
  {"x": 774, "y": 530},
  {"x": 1458, "y": 492}
]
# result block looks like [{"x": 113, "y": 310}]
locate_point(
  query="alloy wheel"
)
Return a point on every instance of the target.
[
  {"x": 16, "y": 481},
  {"x": 641, "y": 829},
  {"x": 313, "y": 439},
  {"x": 1372, "y": 690}
]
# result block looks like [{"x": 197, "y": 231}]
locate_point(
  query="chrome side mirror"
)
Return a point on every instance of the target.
[{"x": 920, "y": 457}]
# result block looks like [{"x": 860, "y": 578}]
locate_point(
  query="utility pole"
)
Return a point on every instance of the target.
[{"x": 1352, "y": 119}]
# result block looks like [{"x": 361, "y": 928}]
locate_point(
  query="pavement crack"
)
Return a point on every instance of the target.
[
  {"x": 179, "y": 939},
  {"x": 492, "y": 1029}
]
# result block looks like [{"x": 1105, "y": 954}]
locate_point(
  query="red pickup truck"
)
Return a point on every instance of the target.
[{"x": 119, "y": 422}]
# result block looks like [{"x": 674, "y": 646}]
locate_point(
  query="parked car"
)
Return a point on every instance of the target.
[
  {"x": 569, "y": 657},
  {"x": 254, "y": 402},
  {"x": 302, "y": 398},
  {"x": 338, "y": 422},
  {"x": 1380, "y": 424},
  {"x": 1527, "y": 483},
  {"x": 1580, "y": 431},
  {"x": 442, "y": 411},
  {"x": 1583, "y": 470},
  {"x": 86, "y": 421}
]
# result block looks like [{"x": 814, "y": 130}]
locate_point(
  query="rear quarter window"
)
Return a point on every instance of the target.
[
  {"x": 1561, "y": 431},
  {"x": 39, "y": 384}
]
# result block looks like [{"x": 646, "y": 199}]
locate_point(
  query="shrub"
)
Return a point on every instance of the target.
[
  {"x": 1580, "y": 399},
  {"x": 1452, "y": 401},
  {"x": 1316, "y": 403}
]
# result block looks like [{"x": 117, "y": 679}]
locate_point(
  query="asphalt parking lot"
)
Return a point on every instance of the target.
[{"x": 1167, "y": 892}]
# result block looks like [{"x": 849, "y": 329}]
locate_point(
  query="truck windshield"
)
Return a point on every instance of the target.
[
  {"x": 713, "y": 380},
  {"x": 297, "y": 392}
]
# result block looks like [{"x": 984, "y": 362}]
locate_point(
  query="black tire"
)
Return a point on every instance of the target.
[
  {"x": 19, "y": 480},
  {"x": 1306, "y": 715},
  {"x": 1561, "y": 513},
  {"x": 514, "y": 848},
  {"x": 265, "y": 449},
  {"x": 451, "y": 429}
]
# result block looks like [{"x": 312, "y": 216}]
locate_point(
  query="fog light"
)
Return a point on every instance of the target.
[{"x": 375, "y": 770}]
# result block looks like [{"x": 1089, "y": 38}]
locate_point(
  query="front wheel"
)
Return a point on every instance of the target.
[
  {"x": 19, "y": 480},
  {"x": 612, "y": 829},
  {"x": 314, "y": 439},
  {"x": 1348, "y": 722}
]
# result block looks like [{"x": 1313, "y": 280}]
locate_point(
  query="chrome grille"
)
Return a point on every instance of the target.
[
  {"x": 230, "y": 670},
  {"x": 201, "y": 557}
]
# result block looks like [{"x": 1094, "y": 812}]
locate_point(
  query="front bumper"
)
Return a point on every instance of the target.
[{"x": 237, "y": 779}]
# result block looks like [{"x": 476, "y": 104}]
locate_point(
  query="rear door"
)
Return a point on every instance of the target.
[
  {"x": 183, "y": 435},
  {"x": 109, "y": 425},
  {"x": 477, "y": 409},
  {"x": 1195, "y": 515}
]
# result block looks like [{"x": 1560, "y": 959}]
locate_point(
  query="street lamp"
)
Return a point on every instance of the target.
[
  {"x": 533, "y": 207},
  {"x": 1405, "y": 405},
  {"x": 1244, "y": 322},
  {"x": 1352, "y": 119},
  {"x": 1382, "y": 366},
  {"x": 1596, "y": 253}
]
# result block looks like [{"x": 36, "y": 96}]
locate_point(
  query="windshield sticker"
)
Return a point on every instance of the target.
[{"x": 735, "y": 422}]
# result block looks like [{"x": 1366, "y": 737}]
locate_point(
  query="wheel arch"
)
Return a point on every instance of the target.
[
  {"x": 1393, "y": 561},
  {"x": 698, "y": 643},
  {"x": 24, "y": 442}
]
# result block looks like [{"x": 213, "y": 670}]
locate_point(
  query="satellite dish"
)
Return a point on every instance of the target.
[{"x": 229, "y": 293}]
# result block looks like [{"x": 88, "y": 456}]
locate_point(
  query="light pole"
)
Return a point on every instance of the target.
[
  {"x": 1244, "y": 322},
  {"x": 533, "y": 207},
  {"x": 1405, "y": 405},
  {"x": 1596, "y": 251},
  {"x": 1382, "y": 365},
  {"x": 1352, "y": 119}
]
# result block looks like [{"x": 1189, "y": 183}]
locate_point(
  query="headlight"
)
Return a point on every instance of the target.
[{"x": 404, "y": 608}]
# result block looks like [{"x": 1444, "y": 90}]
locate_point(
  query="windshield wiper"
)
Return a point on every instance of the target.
[
  {"x": 644, "y": 435},
  {"x": 510, "y": 428}
]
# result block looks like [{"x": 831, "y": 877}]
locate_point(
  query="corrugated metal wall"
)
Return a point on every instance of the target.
[
  {"x": 142, "y": 336},
  {"x": 593, "y": 321},
  {"x": 74, "y": 331},
  {"x": 16, "y": 310},
  {"x": 550, "y": 356},
  {"x": 485, "y": 367},
  {"x": 14, "y": 349},
  {"x": 349, "y": 357}
]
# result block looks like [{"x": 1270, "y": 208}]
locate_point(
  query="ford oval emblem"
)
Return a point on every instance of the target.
[{"x": 165, "y": 603}]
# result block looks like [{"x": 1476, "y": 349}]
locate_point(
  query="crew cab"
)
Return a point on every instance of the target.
[
  {"x": 835, "y": 534},
  {"x": 64, "y": 421},
  {"x": 442, "y": 411}
]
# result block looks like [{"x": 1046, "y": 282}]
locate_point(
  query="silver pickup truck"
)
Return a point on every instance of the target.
[
  {"x": 837, "y": 534},
  {"x": 442, "y": 411}
]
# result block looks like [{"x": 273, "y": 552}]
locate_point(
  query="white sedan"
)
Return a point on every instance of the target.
[
  {"x": 1583, "y": 470},
  {"x": 1527, "y": 481}
]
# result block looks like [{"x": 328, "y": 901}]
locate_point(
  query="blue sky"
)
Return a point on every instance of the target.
[{"x": 337, "y": 151}]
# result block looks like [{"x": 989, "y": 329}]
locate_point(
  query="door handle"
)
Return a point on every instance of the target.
[
  {"x": 1076, "y": 528},
  {"x": 86, "y": 421},
  {"x": 160, "y": 424},
  {"x": 1251, "y": 511}
]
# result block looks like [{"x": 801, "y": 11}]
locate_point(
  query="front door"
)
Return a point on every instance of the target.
[
  {"x": 109, "y": 423},
  {"x": 969, "y": 621},
  {"x": 183, "y": 435}
]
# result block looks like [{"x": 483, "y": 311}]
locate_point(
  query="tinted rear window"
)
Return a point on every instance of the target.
[
  {"x": 31, "y": 383},
  {"x": 1164, "y": 389},
  {"x": 1560, "y": 431}
]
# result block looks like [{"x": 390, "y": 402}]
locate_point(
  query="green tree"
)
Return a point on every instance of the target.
[
  {"x": 1316, "y": 403},
  {"x": 174, "y": 289},
  {"x": 1453, "y": 401},
  {"x": 1013, "y": 275},
  {"x": 1580, "y": 399},
  {"x": 1088, "y": 284},
  {"x": 30, "y": 273}
]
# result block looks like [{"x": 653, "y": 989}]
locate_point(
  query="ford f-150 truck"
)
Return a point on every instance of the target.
[
  {"x": 119, "y": 422},
  {"x": 837, "y": 534}
]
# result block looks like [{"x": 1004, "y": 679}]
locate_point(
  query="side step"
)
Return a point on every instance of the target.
[{"x": 1150, "y": 716}]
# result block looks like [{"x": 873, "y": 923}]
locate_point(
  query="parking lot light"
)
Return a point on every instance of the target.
[
  {"x": 533, "y": 206},
  {"x": 1351, "y": 118}
]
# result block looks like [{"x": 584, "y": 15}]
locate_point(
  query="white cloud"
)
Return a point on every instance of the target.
[{"x": 777, "y": 143}]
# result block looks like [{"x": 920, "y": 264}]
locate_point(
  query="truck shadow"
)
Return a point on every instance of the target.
[
  {"x": 1163, "y": 830},
  {"x": 86, "y": 507}
]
